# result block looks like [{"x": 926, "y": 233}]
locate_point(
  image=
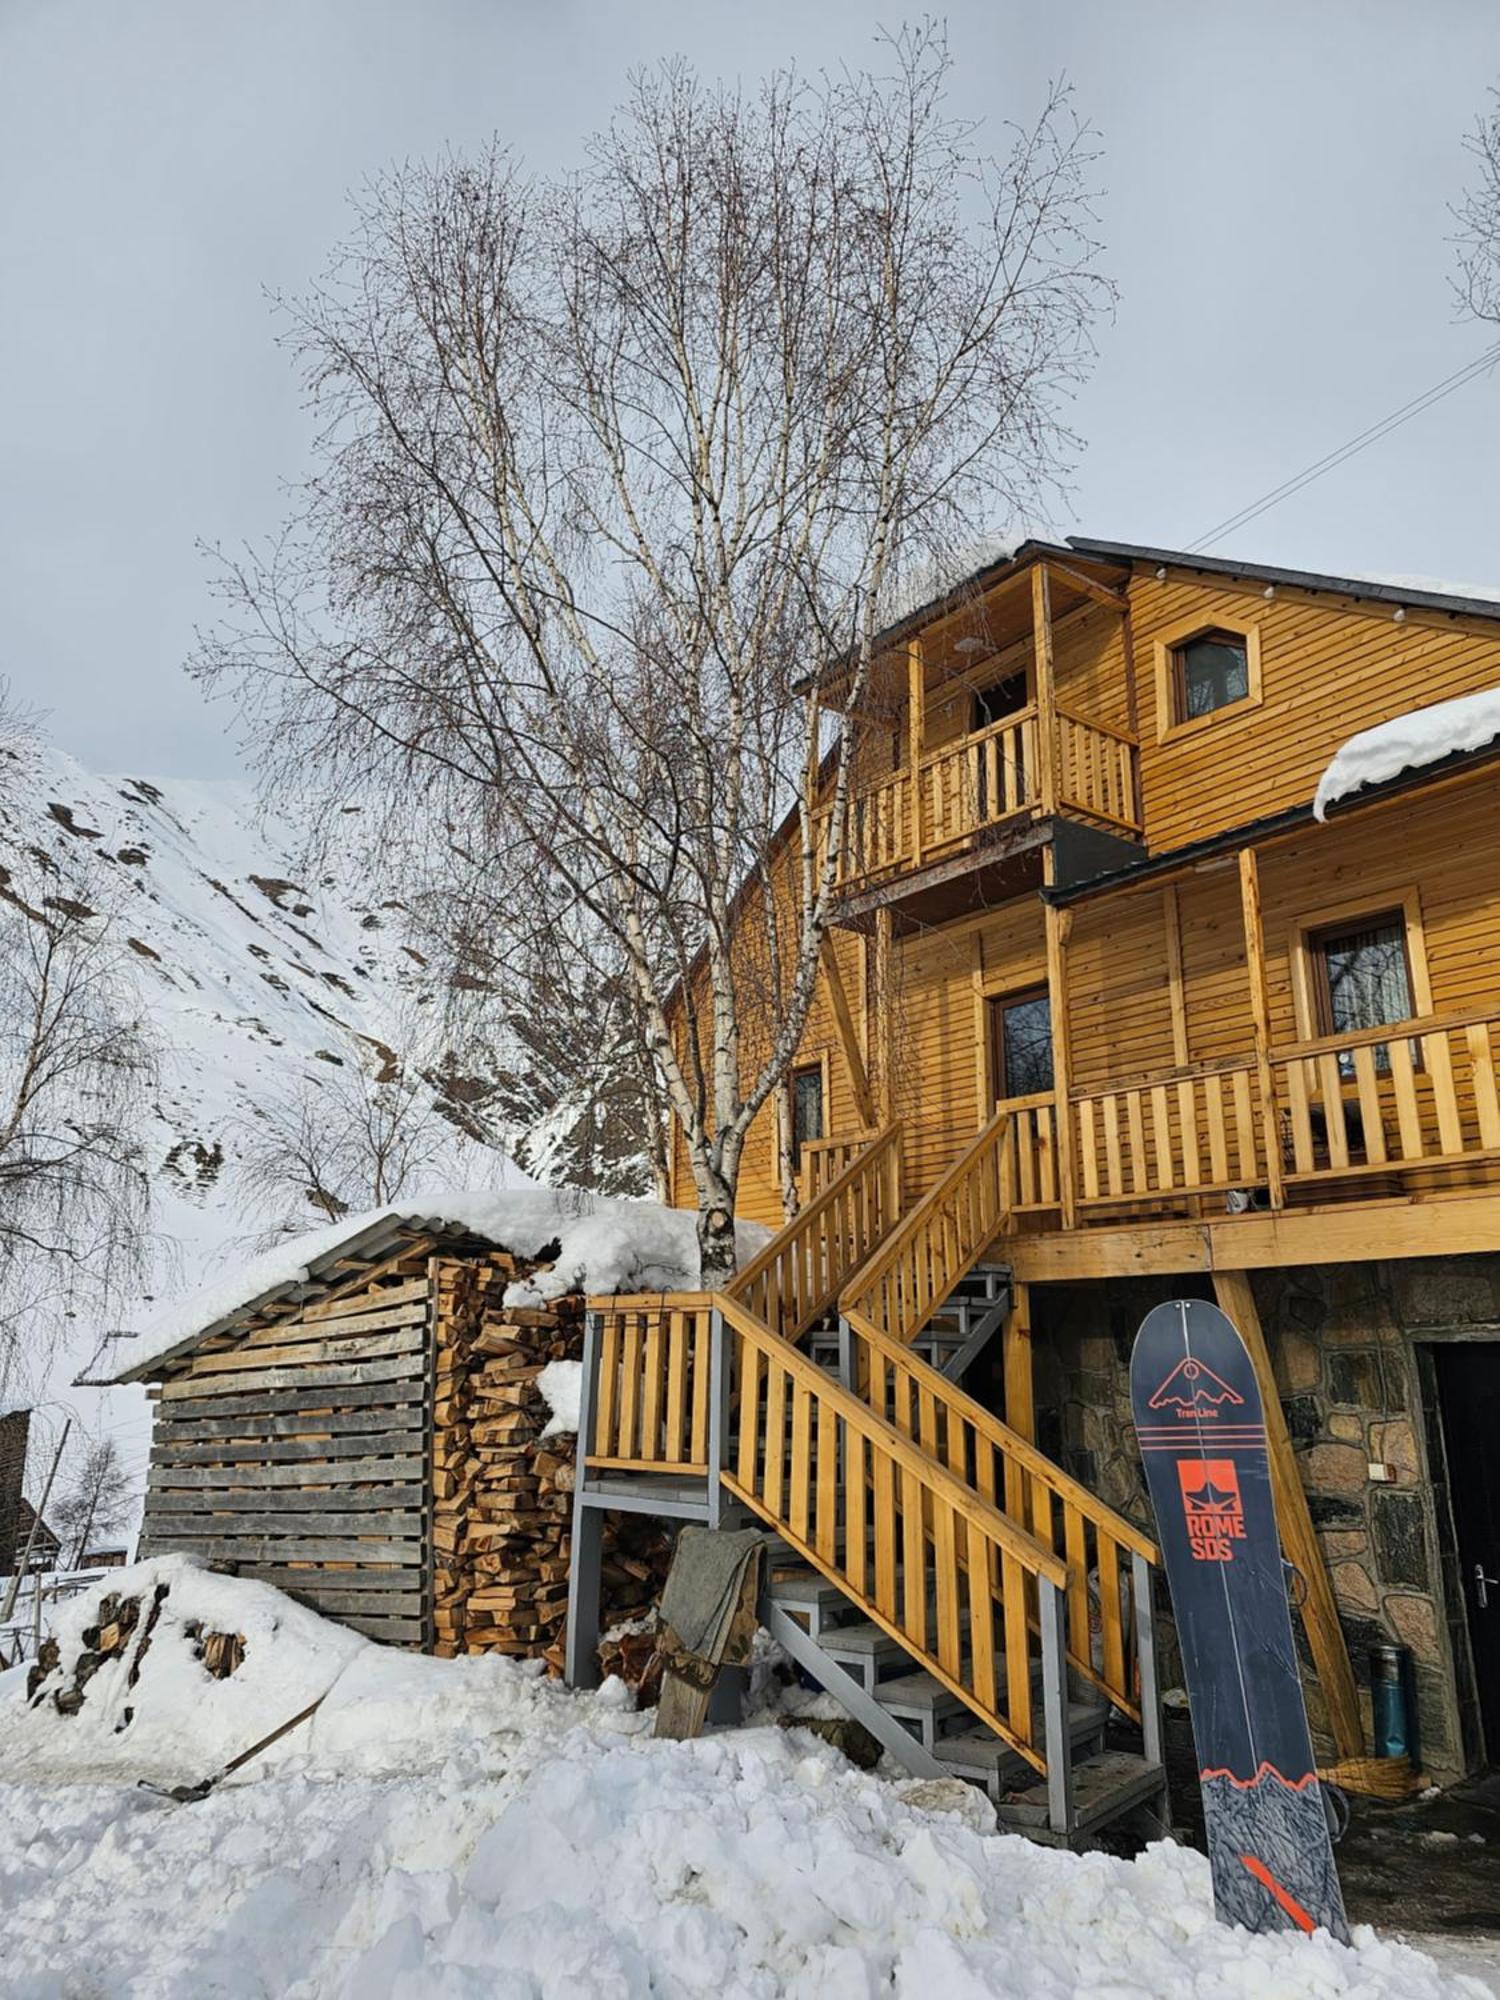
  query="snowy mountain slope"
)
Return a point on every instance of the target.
[{"x": 251, "y": 975}]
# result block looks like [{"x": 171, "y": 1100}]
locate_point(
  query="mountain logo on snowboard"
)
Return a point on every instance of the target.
[
  {"x": 1212, "y": 1508},
  {"x": 1195, "y": 1390}
]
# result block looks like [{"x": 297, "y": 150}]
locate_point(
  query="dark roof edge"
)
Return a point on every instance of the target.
[
  {"x": 1304, "y": 579},
  {"x": 1269, "y": 828}
]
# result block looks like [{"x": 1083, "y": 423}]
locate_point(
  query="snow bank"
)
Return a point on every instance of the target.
[
  {"x": 543, "y": 1848},
  {"x": 603, "y": 1245},
  {"x": 1406, "y": 742}
]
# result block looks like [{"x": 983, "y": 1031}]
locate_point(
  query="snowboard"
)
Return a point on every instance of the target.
[{"x": 1201, "y": 1425}]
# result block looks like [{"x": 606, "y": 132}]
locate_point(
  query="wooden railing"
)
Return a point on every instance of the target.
[
  {"x": 984, "y": 778},
  {"x": 805, "y": 1265},
  {"x": 1195, "y": 1131},
  {"x": 1420, "y": 1093},
  {"x": 1008, "y": 1472},
  {"x": 1028, "y": 1152},
  {"x": 650, "y": 1397},
  {"x": 904, "y": 1538},
  {"x": 1096, "y": 771},
  {"x": 920, "y": 1262},
  {"x": 823, "y": 1160}
]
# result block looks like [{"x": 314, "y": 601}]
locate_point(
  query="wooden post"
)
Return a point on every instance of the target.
[
  {"x": 1176, "y": 996},
  {"x": 1058, "y": 924},
  {"x": 1020, "y": 1397},
  {"x": 885, "y": 966},
  {"x": 864, "y": 1102},
  {"x": 1046, "y": 692},
  {"x": 1260, "y": 1013},
  {"x": 1320, "y": 1616},
  {"x": 916, "y": 730}
]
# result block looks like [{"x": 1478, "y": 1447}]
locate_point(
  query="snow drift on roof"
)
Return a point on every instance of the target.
[
  {"x": 604, "y": 1245},
  {"x": 1406, "y": 742}
]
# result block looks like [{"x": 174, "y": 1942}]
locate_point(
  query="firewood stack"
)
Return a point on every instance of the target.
[{"x": 502, "y": 1494}]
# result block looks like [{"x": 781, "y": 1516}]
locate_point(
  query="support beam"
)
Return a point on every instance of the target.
[
  {"x": 916, "y": 731},
  {"x": 885, "y": 1010},
  {"x": 1059, "y": 923},
  {"x": 1020, "y": 1398},
  {"x": 864, "y": 1101},
  {"x": 1046, "y": 688},
  {"x": 1320, "y": 1616},
  {"x": 1341, "y": 1233},
  {"x": 1260, "y": 1014},
  {"x": 1171, "y": 917}
]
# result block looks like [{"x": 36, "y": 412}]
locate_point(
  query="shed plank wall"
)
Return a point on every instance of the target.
[{"x": 302, "y": 1454}]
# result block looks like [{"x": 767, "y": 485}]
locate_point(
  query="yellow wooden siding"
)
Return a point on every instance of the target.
[{"x": 1328, "y": 669}]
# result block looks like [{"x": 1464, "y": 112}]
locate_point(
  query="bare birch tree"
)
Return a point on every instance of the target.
[
  {"x": 618, "y": 473},
  {"x": 96, "y": 1503}
]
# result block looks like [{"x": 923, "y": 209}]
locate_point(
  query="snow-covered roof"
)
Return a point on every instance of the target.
[
  {"x": 1407, "y": 742},
  {"x": 603, "y": 1245}
]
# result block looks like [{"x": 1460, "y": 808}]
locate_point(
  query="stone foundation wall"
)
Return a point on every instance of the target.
[{"x": 1348, "y": 1345}]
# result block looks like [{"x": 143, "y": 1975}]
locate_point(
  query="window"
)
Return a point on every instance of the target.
[
  {"x": 1205, "y": 674},
  {"x": 1020, "y": 1030},
  {"x": 1212, "y": 671},
  {"x": 807, "y": 1109},
  {"x": 1362, "y": 977}
]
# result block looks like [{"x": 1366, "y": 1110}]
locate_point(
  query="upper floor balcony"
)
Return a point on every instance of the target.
[
  {"x": 1025, "y": 767},
  {"x": 995, "y": 719}
]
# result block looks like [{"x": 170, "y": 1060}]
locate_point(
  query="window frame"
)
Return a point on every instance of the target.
[
  {"x": 819, "y": 1062},
  {"x": 995, "y": 1006},
  {"x": 1172, "y": 719},
  {"x": 1310, "y": 997}
]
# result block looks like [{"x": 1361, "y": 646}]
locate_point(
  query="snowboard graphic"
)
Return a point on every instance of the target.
[{"x": 1199, "y": 1419}]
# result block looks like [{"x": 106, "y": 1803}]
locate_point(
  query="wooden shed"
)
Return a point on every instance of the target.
[{"x": 368, "y": 1434}]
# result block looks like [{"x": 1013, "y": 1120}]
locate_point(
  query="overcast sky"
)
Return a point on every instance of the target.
[{"x": 1278, "y": 186}]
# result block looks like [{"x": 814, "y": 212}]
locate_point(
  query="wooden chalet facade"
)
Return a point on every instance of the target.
[{"x": 1108, "y": 1016}]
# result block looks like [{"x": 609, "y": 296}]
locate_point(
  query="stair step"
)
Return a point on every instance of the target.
[
  {"x": 805, "y": 1589},
  {"x": 978, "y": 1754},
  {"x": 918, "y": 1695},
  {"x": 1104, "y": 1786}
]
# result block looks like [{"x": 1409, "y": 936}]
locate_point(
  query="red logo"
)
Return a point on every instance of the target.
[
  {"x": 1211, "y": 1507},
  {"x": 1195, "y": 1390}
]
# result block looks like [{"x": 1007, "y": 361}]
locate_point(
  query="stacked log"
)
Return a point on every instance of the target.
[{"x": 502, "y": 1492}]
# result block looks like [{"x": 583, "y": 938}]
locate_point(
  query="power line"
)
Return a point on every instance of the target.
[{"x": 1479, "y": 366}]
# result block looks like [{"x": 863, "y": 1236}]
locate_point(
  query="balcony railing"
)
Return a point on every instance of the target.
[
  {"x": 1416, "y": 1096},
  {"x": 990, "y": 776}
]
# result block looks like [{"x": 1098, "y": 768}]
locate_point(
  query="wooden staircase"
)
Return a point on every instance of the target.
[{"x": 976, "y": 1609}]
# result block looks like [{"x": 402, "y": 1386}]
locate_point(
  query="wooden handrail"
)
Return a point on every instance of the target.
[
  {"x": 1125, "y": 736},
  {"x": 974, "y": 737},
  {"x": 927, "y": 1248},
  {"x": 800, "y": 1272},
  {"x": 1010, "y": 1473},
  {"x": 806, "y": 1373},
  {"x": 824, "y": 1469},
  {"x": 1391, "y": 1031},
  {"x": 948, "y": 1395},
  {"x": 1148, "y": 1079}
]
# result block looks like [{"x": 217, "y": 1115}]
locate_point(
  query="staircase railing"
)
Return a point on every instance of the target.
[
  {"x": 919, "y": 1263},
  {"x": 800, "y": 1272},
  {"x": 927, "y": 1559},
  {"x": 1008, "y": 1472}
]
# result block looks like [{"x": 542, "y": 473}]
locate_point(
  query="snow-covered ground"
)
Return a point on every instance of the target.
[{"x": 464, "y": 1829}]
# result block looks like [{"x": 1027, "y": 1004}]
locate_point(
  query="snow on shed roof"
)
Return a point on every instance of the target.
[
  {"x": 1407, "y": 742},
  {"x": 603, "y": 1245}
]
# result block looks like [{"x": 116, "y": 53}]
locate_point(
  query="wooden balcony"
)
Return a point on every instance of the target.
[
  {"x": 959, "y": 797},
  {"x": 1412, "y": 1107}
]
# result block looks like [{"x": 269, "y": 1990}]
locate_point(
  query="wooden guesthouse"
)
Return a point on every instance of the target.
[
  {"x": 1111, "y": 1013},
  {"x": 1141, "y": 984}
]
